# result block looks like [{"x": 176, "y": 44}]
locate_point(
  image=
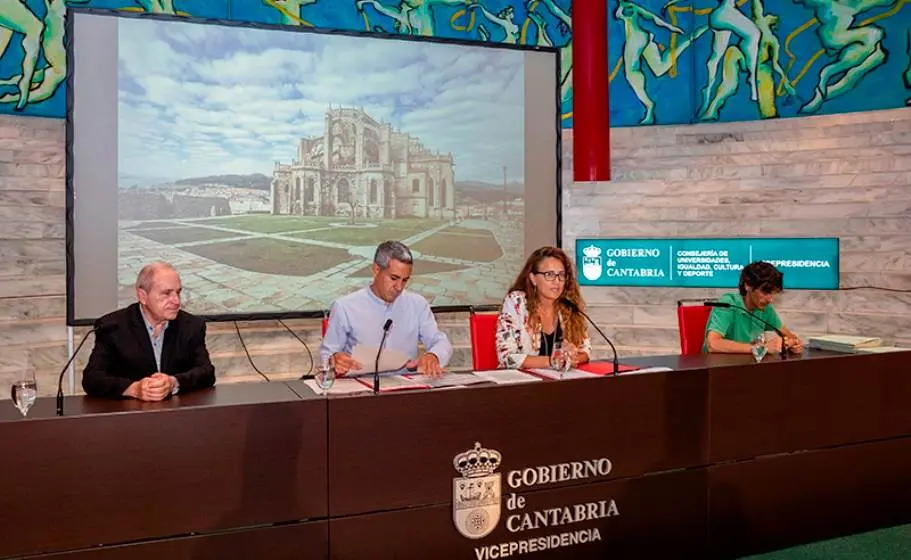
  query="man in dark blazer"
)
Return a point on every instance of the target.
[{"x": 150, "y": 349}]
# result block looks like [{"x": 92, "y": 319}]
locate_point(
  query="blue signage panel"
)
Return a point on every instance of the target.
[{"x": 807, "y": 263}]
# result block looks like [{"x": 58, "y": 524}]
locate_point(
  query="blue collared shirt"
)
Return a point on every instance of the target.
[
  {"x": 157, "y": 341},
  {"x": 358, "y": 318}
]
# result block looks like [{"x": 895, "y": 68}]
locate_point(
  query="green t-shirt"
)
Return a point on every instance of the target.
[{"x": 737, "y": 324}]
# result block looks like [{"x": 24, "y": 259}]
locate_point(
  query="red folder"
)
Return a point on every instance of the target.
[{"x": 605, "y": 368}]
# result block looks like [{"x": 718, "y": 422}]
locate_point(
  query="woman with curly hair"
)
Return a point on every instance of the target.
[{"x": 538, "y": 314}]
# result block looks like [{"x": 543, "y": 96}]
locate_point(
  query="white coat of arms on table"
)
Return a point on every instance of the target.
[
  {"x": 476, "y": 495},
  {"x": 591, "y": 262}
]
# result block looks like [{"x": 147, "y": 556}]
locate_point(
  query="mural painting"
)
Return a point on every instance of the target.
[{"x": 682, "y": 61}]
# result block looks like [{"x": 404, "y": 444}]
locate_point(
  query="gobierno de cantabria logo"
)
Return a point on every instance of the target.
[
  {"x": 591, "y": 262},
  {"x": 476, "y": 494}
]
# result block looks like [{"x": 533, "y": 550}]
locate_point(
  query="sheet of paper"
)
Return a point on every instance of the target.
[
  {"x": 847, "y": 340},
  {"x": 390, "y": 359},
  {"x": 449, "y": 379},
  {"x": 571, "y": 374},
  {"x": 507, "y": 376},
  {"x": 655, "y": 369},
  {"x": 340, "y": 387},
  {"x": 392, "y": 383}
]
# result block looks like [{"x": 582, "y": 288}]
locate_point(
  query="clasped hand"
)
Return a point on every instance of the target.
[
  {"x": 792, "y": 344},
  {"x": 153, "y": 388}
]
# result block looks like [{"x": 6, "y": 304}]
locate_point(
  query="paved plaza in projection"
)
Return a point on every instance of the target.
[{"x": 238, "y": 264}]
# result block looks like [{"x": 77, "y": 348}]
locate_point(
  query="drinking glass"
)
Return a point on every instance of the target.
[
  {"x": 559, "y": 360},
  {"x": 758, "y": 346},
  {"x": 24, "y": 391},
  {"x": 325, "y": 374}
]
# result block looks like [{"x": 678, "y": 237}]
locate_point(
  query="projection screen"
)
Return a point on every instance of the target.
[{"x": 266, "y": 163}]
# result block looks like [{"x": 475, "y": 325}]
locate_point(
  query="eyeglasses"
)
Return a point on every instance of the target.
[{"x": 550, "y": 275}]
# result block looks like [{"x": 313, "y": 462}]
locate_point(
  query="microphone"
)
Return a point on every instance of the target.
[
  {"x": 376, "y": 366},
  {"x": 98, "y": 328},
  {"x": 576, "y": 309},
  {"x": 776, "y": 330}
]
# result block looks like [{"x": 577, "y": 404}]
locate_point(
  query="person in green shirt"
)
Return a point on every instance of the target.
[{"x": 730, "y": 329}]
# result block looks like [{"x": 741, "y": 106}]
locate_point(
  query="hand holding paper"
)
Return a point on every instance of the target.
[{"x": 343, "y": 363}]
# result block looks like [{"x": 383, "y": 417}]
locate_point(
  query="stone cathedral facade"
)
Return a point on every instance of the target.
[{"x": 366, "y": 167}]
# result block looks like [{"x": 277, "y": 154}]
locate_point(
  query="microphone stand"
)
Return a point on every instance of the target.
[
  {"x": 576, "y": 308},
  {"x": 63, "y": 371},
  {"x": 376, "y": 365}
]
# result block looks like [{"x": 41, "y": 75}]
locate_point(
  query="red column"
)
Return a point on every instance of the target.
[{"x": 591, "y": 116}]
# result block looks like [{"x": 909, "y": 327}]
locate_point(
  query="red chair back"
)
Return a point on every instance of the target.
[
  {"x": 691, "y": 321},
  {"x": 326, "y": 325},
  {"x": 483, "y": 328}
]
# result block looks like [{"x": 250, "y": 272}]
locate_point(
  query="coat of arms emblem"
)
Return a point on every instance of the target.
[
  {"x": 591, "y": 262},
  {"x": 476, "y": 494}
]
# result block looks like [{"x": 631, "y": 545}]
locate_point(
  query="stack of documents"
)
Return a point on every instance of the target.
[
  {"x": 881, "y": 350},
  {"x": 844, "y": 343}
]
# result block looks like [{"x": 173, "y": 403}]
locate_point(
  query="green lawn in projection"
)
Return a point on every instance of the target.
[
  {"x": 370, "y": 232},
  {"x": 468, "y": 244},
  {"x": 267, "y": 223},
  {"x": 272, "y": 256},
  {"x": 272, "y": 247},
  {"x": 173, "y": 235}
]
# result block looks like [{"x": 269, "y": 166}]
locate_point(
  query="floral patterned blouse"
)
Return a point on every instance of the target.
[{"x": 515, "y": 339}]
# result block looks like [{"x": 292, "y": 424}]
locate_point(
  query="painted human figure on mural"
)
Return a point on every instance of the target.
[
  {"x": 726, "y": 21},
  {"x": 16, "y": 17},
  {"x": 412, "y": 17},
  {"x": 505, "y": 19},
  {"x": 290, "y": 10},
  {"x": 857, "y": 50},
  {"x": 767, "y": 66},
  {"x": 157, "y": 6},
  {"x": 566, "y": 52},
  {"x": 639, "y": 45},
  {"x": 542, "y": 40},
  {"x": 422, "y": 13},
  {"x": 46, "y": 80},
  {"x": 401, "y": 17}
]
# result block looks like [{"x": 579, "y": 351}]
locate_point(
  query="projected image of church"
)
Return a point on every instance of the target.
[
  {"x": 276, "y": 202},
  {"x": 364, "y": 168}
]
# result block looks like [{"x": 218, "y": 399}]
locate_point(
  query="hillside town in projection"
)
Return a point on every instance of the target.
[{"x": 363, "y": 168}]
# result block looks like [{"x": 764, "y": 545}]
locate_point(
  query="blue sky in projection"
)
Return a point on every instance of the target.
[{"x": 199, "y": 100}]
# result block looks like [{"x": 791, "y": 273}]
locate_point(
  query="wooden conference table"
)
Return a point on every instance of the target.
[{"x": 718, "y": 458}]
